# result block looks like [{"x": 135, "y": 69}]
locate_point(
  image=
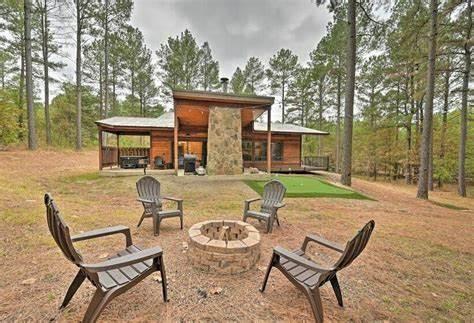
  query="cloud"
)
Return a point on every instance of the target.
[{"x": 235, "y": 30}]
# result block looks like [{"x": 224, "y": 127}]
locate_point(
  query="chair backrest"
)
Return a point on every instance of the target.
[
  {"x": 60, "y": 231},
  {"x": 273, "y": 193},
  {"x": 148, "y": 188},
  {"x": 355, "y": 246},
  {"x": 353, "y": 249}
]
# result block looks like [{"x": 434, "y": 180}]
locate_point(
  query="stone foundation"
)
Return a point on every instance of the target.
[
  {"x": 223, "y": 246},
  {"x": 224, "y": 141}
]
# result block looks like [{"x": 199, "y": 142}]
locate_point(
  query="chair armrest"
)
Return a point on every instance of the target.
[
  {"x": 282, "y": 252},
  {"x": 104, "y": 232},
  {"x": 252, "y": 200},
  {"x": 125, "y": 260},
  {"x": 323, "y": 242},
  {"x": 279, "y": 205},
  {"x": 170, "y": 198}
]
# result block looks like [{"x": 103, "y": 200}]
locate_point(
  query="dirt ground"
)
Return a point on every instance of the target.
[{"x": 417, "y": 267}]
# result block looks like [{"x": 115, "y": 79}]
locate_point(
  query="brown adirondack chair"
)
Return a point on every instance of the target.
[
  {"x": 273, "y": 193},
  {"x": 111, "y": 277},
  {"x": 149, "y": 195},
  {"x": 308, "y": 276}
]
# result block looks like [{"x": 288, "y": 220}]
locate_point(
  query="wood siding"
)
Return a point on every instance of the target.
[
  {"x": 161, "y": 146},
  {"x": 291, "y": 150}
]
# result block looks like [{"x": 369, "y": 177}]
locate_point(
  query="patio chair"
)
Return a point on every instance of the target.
[
  {"x": 111, "y": 277},
  {"x": 149, "y": 195},
  {"x": 308, "y": 276},
  {"x": 273, "y": 193}
]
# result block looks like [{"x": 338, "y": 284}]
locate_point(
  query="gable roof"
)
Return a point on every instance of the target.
[{"x": 166, "y": 120}]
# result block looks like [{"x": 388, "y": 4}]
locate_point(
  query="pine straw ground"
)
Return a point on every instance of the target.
[{"x": 417, "y": 266}]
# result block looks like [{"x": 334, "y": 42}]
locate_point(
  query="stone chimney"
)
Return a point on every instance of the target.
[{"x": 224, "y": 83}]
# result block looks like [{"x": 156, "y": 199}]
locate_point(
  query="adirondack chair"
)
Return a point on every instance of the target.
[
  {"x": 149, "y": 195},
  {"x": 111, "y": 277},
  {"x": 273, "y": 193},
  {"x": 308, "y": 276}
]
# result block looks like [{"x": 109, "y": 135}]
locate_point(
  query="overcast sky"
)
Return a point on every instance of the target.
[{"x": 235, "y": 29}]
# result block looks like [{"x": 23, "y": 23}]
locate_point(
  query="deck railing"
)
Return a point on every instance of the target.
[
  {"x": 319, "y": 162},
  {"x": 134, "y": 151},
  {"x": 109, "y": 156}
]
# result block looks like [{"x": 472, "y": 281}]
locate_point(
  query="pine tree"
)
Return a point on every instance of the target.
[
  {"x": 280, "y": 73},
  {"x": 254, "y": 75}
]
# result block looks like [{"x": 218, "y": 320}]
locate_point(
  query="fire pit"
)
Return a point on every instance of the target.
[{"x": 224, "y": 246}]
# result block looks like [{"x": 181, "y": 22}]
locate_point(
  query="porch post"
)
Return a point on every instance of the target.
[
  {"x": 100, "y": 149},
  {"x": 301, "y": 150},
  {"x": 118, "y": 148},
  {"x": 269, "y": 140},
  {"x": 176, "y": 125}
]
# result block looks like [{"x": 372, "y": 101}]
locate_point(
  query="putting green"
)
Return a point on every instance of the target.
[{"x": 308, "y": 186}]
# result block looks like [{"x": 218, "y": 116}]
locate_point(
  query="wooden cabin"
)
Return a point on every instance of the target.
[{"x": 218, "y": 131}]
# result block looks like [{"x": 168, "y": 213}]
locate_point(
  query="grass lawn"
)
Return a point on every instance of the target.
[{"x": 308, "y": 186}]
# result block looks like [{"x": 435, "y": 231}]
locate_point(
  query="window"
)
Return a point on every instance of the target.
[
  {"x": 247, "y": 150},
  {"x": 277, "y": 151},
  {"x": 260, "y": 149},
  {"x": 257, "y": 150}
]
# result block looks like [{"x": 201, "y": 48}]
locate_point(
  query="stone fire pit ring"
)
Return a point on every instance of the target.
[{"x": 224, "y": 246}]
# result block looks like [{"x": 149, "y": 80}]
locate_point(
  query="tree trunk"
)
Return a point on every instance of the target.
[
  {"x": 346, "y": 177},
  {"x": 106, "y": 59},
  {"x": 465, "y": 89},
  {"x": 21, "y": 93},
  {"x": 283, "y": 102},
  {"x": 428, "y": 113},
  {"x": 32, "y": 144},
  {"x": 78, "y": 76},
  {"x": 133, "y": 84},
  {"x": 444, "y": 125},
  {"x": 45, "y": 29},
  {"x": 101, "y": 90},
  {"x": 338, "y": 123},
  {"x": 320, "y": 116},
  {"x": 430, "y": 164}
]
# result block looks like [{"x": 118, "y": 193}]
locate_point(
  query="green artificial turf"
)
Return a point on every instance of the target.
[{"x": 307, "y": 186}]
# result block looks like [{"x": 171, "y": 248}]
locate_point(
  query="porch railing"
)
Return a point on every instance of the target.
[
  {"x": 134, "y": 151},
  {"x": 319, "y": 162},
  {"x": 109, "y": 156}
]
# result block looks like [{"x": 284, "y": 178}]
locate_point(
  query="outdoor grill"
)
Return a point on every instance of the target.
[{"x": 189, "y": 163}]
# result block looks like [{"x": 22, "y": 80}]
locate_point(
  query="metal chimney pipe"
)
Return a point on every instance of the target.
[{"x": 224, "y": 83}]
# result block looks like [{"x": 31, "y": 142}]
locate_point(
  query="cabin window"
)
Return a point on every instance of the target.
[
  {"x": 260, "y": 150},
  {"x": 257, "y": 150},
  {"x": 247, "y": 150},
  {"x": 277, "y": 151}
]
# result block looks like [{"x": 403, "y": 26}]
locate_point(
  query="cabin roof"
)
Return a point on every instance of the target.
[
  {"x": 221, "y": 97},
  {"x": 166, "y": 120},
  {"x": 287, "y": 128}
]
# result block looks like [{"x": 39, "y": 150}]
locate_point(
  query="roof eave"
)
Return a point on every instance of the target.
[{"x": 223, "y": 97}]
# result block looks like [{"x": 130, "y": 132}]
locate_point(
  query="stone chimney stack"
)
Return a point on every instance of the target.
[{"x": 224, "y": 83}]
